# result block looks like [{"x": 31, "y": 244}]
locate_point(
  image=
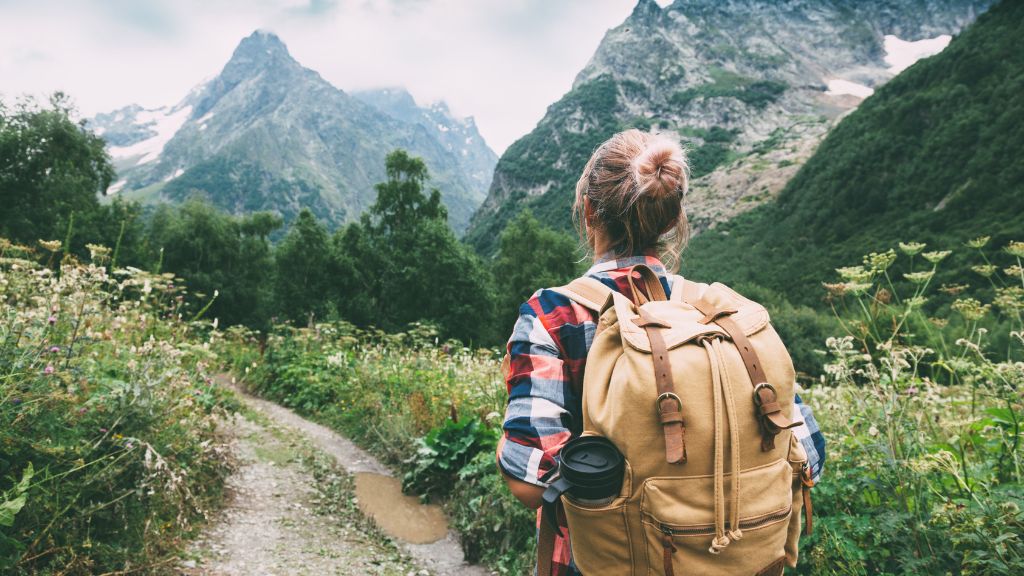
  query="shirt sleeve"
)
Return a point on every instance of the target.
[
  {"x": 537, "y": 423},
  {"x": 812, "y": 439}
]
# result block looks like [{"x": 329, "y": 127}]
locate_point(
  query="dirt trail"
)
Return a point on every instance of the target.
[{"x": 272, "y": 525}]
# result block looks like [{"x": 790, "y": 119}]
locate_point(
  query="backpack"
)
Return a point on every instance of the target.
[{"x": 690, "y": 390}]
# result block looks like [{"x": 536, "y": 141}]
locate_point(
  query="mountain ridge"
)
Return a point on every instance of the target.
[
  {"x": 267, "y": 133},
  {"x": 732, "y": 80}
]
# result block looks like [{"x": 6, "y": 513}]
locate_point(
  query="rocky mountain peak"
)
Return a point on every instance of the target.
[{"x": 645, "y": 11}]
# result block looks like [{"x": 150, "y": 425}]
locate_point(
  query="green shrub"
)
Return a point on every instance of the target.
[
  {"x": 109, "y": 447},
  {"x": 442, "y": 454}
]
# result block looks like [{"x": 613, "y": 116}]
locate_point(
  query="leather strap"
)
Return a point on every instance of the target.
[
  {"x": 670, "y": 407},
  {"x": 669, "y": 548},
  {"x": 653, "y": 287},
  {"x": 545, "y": 545},
  {"x": 770, "y": 417},
  {"x": 806, "y": 483}
]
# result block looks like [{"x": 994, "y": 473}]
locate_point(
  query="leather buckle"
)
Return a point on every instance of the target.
[
  {"x": 668, "y": 396},
  {"x": 757, "y": 392}
]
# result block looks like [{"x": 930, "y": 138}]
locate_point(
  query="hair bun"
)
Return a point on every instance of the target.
[{"x": 660, "y": 169}]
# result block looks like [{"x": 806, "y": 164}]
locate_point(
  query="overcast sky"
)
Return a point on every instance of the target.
[{"x": 501, "y": 61}]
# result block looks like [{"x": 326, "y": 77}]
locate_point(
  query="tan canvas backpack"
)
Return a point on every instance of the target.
[{"x": 696, "y": 392}]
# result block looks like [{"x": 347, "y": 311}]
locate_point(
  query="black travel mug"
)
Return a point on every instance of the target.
[{"x": 590, "y": 470}]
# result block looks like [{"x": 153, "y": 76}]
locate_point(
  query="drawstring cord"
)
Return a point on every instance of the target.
[
  {"x": 734, "y": 445},
  {"x": 720, "y": 541},
  {"x": 723, "y": 399}
]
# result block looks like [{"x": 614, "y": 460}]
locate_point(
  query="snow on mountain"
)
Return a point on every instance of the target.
[
  {"x": 163, "y": 123},
  {"x": 901, "y": 54}
]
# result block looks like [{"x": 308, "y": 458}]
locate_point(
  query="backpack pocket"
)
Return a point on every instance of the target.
[
  {"x": 599, "y": 535},
  {"x": 679, "y": 522}
]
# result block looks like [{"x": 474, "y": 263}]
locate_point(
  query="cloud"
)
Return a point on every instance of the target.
[{"x": 501, "y": 61}]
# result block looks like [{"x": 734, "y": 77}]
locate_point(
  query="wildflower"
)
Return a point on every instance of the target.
[
  {"x": 873, "y": 431},
  {"x": 916, "y": 302},
  {"x": 911, "y": 248},
  {"x": 1014, "y": 270},
  {"x": 978, "y": 242},
  {"x": 51, "y": 245},
  {"x": 953, "y": 289},
  {"x": 83, "y": 410},
  {"x": 985, "y": 270},
  {"x": 52, "y": 320},
  {"x": 1015, "y": 248},
  {"x": 939, "y": 322},
  {"x": 54, "y": 349},
  {"x": 919, "y": 277},
  {"x": 836, "y": 289},
  {"x": 880, "y": 262},
  {"x": 854, "y": 274},
  {"x": 103, "y": 430},
  {"x": 15, "y": 401},
  {"x": 856, "y": 288},
  {"x": 97, "y": 252},
  {"x": 1009, "y": 299},
  {"x": 970, "y": 308},
  {"x": 936, "y": 256},
  {"x": 48, "y": 369}
]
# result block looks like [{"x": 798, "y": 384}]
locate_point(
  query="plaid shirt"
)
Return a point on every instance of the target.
[{"x": 547, "y": 355}]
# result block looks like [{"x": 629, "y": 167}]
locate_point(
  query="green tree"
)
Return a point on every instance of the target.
[
  {"x": 530, "y": 256},
  {"x": 218, "y": 253},
  {"x": 402, "y": 263},
  {"x": 303, "y": 265},
  {"x": 50, "y": 167}
]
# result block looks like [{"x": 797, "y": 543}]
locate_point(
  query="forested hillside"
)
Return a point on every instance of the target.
[{"x": 932, "y": 156}]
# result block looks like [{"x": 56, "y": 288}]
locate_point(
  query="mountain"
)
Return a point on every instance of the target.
[
  {"x": 459, "y": 136},
  {"x": 751, "y": 87},
  {"x": 269, "y": 134},
  {"x": 933, "y": 156}
]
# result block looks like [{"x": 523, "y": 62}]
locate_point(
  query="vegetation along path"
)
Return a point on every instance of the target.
[{"x": 301, "y": 498}]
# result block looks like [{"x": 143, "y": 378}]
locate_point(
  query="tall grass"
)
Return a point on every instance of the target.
[{"x": 109, "y": 447}]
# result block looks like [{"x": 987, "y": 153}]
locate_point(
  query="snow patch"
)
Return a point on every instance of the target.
[
  {"x": 177, "y": 173},
  {"x": 162, "y": 121},
  {"x": 116, "y": 187},
  {"x": 840, "y": 87},
  {"x": 442, "y": 127},
  {"x": 205, "y": 117},
  {"x": 202, "y": 127},
  {"x": 900, "y": 54}
]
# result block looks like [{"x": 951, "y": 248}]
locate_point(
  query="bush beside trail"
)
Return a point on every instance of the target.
[{"x": 109, "y": 445}]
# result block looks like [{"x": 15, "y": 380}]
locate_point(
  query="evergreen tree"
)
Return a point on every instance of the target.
[
  {"x": 303, "y": 266},
  {"x": 531, "y": 256},
  {"x": 402, "y": 263}
]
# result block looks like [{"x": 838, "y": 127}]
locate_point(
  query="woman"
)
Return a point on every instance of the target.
[{"x": 629, "y": 211}]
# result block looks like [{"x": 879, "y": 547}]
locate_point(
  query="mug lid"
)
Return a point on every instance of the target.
[{"x": 590, "y": 459}]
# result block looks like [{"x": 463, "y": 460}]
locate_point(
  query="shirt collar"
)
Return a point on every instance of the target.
[{"x": 610, "y": 261}]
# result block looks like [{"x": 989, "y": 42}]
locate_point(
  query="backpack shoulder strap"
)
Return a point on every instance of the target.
[{"x": 587, "y": 292}]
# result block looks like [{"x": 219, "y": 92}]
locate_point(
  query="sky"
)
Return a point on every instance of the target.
[{"x": 501, "y": 61}]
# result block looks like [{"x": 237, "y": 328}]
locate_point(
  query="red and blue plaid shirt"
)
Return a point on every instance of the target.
[{"x": 547, "y": 355}]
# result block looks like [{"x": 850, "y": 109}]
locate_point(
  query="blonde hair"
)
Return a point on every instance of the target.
[{"x": 636, "y": 182}]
